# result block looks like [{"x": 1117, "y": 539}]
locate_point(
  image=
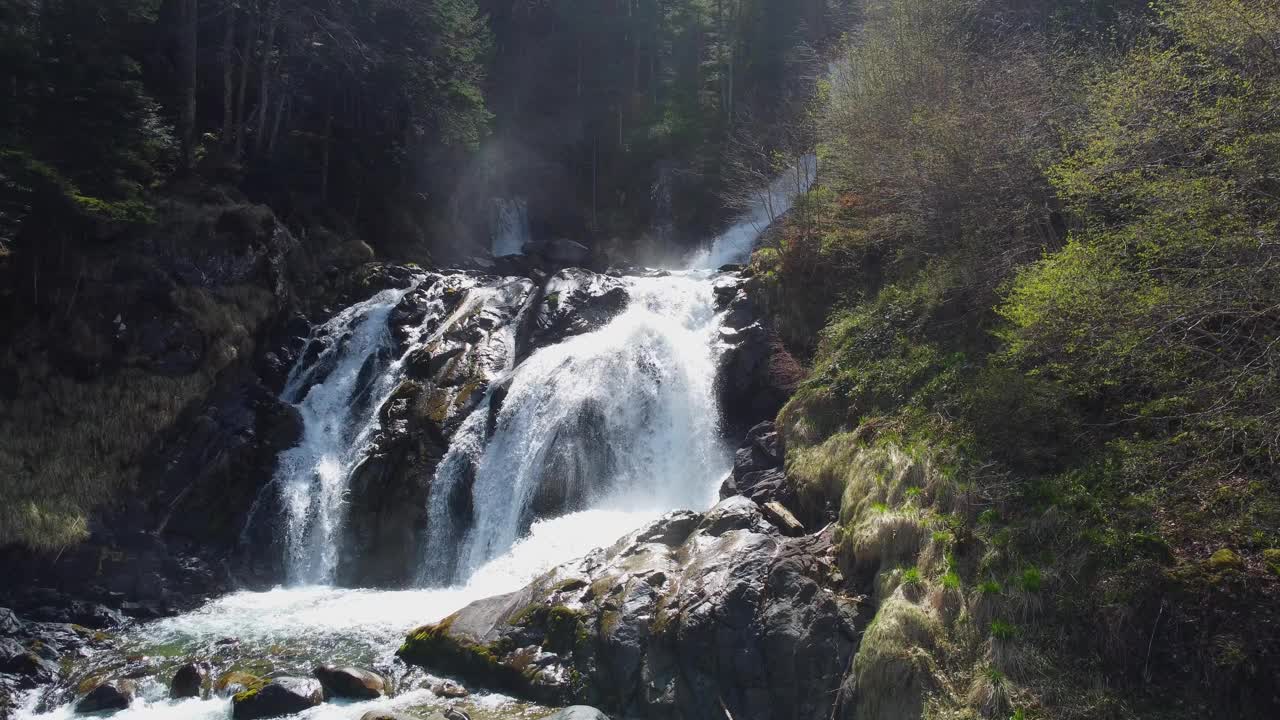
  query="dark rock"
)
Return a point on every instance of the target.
[
  {"x": 281, "y": 696},
  {"x": 350, "y": 682},
  {"x": 79, "y": 612},
  {"x": 9, "y": 622},
  {"x": 34, "y": 665},
  {"x": 187, "y": 682},
  {"x": 575, "y": 302},
  {"x": 733, "y": 620},
  {"x": 418, "y": 364},
  {"x": 725, "y": 290},
  {"x": 566, "y": 253},
  {"x": 449, "y": 689},
  {"x": 578, "y": 712},
  {"x": 109, "y": 696},
  {"x": 764, "y": 486}
]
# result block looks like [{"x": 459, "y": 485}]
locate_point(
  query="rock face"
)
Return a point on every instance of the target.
[
  {"x": 350, "y": 682},
  {"x": 757, "y": 468},
  {"x": 689, "y": 617},
  {"x": 756, "y": 375},
  {"x": 281, "y": 696},
  {"x": 575, "y": 302}
]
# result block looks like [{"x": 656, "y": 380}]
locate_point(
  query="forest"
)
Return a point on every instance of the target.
[{"x": 1017, "y": 344}]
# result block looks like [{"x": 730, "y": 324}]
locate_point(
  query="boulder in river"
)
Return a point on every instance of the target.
[
  {"x": 350, "y": 682},
  {"x": 188, "y": 681},
  {"x": 695, "y": 615},
  {"x": 108, "y": 696},
  {"x": 449, "y": 689},
  {"x": 234, "y": 682},
  {"x": 281, "y": 696}
]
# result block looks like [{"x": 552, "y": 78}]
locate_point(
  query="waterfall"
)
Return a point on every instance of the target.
[
  {"x": 509, "y": 228},
  {"x": 621, "y": 418},
  {"x": 768, "y": 204},
  {"x": 354, "y": 362},
  {"x": 348, "y": 370}
]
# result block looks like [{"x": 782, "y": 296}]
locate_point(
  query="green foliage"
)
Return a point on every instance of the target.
[
  {"x": 1030, "y": 580},
  {"x": 911, "y": 577},
  {"x": 1001, "y": 630},
  {"x": 1066, "y": 284}
]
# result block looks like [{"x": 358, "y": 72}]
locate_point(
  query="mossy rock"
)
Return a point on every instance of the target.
[
  {"x": 1271, "y": 557},
  {"x": 234, "y": 682},
  {"x": 1226, "y": 559}
]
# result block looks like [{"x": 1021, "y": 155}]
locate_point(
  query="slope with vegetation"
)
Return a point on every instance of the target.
[{"x": 1037, "y": 286}]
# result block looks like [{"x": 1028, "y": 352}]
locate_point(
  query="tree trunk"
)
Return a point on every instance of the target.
[
  {"x": 324, "y": 153},
  {"x": 188, "y": 22},
  {"x": 264, "y": 76},
  {"x": 282, "y": 102},
  {"x": 228, "y": 76},
  {"x": 251, "y": 30}
]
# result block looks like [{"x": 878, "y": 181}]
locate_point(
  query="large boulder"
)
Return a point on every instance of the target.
[
  {"x": 350, "y": 682},
  {"x": 187, "y": 682},
  {"x": 281, "y": 696},
  {"x": 692, "y": 616},
  {"x": 108, "y": 696}
]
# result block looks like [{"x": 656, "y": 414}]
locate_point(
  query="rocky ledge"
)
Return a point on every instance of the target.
[{"x": 696, "y": 615}]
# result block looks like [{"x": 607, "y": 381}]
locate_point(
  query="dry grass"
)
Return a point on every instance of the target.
[{"x": 69, "y": 446}]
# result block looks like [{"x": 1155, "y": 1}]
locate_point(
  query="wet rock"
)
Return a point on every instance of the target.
[
  {"x": 79, "y": 612},
  {"x": 187, "y": 682},
  {"x": 33, "y": 665},
  {"x": 575, "y": 302},
  {"x": 449, "y": 689},
  {"x": 733, "y": 612},
  {"x": 9, "y": 622},
  {"x": 757, "y": 468},
  {"x": 578, "y": 712},
  {"x": 350, "y": 682},
  {"x": 281, "y": 696},
  {"x": 109, "y": 696},
  {"x": 233, "y": 682},
  {"x": 755, "y": 376}
]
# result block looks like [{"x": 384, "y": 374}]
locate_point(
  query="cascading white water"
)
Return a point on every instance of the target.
[
  {"x": 312, "y": 477},
  {"x": 509, "y": 229},
  {"x": 768, "y": 204},
  {"x": 624, "y": 417}
]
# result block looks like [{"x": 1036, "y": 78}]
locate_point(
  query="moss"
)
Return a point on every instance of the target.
[
  {"x": 1225, "y": 559},
  {"x": 1271, "y": 557}
]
